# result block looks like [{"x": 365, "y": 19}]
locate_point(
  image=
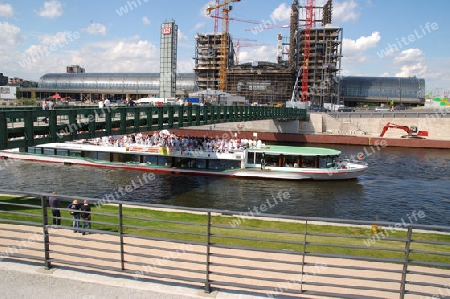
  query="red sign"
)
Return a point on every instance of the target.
[{"x": 166, "y": 30}]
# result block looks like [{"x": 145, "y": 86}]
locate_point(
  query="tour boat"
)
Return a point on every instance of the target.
[{"x": 255, "y": 161}]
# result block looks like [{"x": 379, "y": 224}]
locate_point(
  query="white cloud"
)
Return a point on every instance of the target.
[
  {"x": 411, "y": 62},
  {"x": 345, "y": 11},
  {"x": 58, "y": 38},
  {"x": 128, "y": 55},
  {"x": 10, "y": 35},
  {"x": 409, "y": 56},
  {"x": 259, "y": 53},
  {"x": 6, "y": 10},
  {"x": 182, "y": 36},
  {"x": 95, "y": 28},
  {"x": 281, "y": 13},
  {"x": 203, "y": 11},
  {"x": 354, "y": 49},
  {"x": 185, "y": 66},
  {"x": 51, "y": 9},
  {"x": 199, "y": 26},
  {"x": 146, "y": 21},
  {"x": 417, "y": 69}
]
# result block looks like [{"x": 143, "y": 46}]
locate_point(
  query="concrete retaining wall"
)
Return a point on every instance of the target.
[{"x": 324, "y": 124}]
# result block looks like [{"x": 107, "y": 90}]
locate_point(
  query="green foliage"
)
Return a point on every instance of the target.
[{"x": 24, "y": 102}]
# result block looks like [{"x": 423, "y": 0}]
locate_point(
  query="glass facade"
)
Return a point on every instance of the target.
[
  {"x": 140, "y": 83},
  {"x": 168, "y": 59},
  {"x": 382, "y": 87}
]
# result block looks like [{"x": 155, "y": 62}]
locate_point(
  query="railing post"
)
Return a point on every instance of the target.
[
  {"x": 304, "y": 253},
  {"x": 108, "y": 121},
  {"x": 123, "y": 120},
  {"x": 29, "y": 128},
  {"x": 160, "y": 118},
  {"x": 137, "y": 119},
  {"x": 406, "y": 262},
  {"x": 208, "y": 254},
  {"x": 122, "y": 258},
  {"x": 47, "y": 263},
  {"x": 170, "y": 114},
  {"x": 3, "y": 131}
]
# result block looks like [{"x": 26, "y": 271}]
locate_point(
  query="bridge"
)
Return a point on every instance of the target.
[{"x": 30, "y": 126}]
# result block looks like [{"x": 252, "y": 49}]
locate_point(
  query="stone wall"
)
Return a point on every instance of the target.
[{"x": 438, "y": 127}]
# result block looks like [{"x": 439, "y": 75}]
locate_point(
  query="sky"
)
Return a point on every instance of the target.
[{"x": 390, "y": 38}]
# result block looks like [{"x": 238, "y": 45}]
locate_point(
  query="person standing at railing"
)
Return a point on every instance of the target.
[
  {"x": 85, "y": 216},
  {"x": 54, "y": 204},
  {"x": 75, "y": 212}
]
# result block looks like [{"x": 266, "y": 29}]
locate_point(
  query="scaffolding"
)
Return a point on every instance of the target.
[
  {"x": 324, "y": 64},
  {"x": 211, "y": 52},
  {"x": 265, "y": 83},
  {"x": 324, "y": 47},
  {"x": 274, "y": 83}
]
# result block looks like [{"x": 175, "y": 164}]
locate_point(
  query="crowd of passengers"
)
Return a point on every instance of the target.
[{"x": 180, "y": 143}]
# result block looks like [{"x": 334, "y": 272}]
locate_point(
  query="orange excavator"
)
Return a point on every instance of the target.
[{"x": 413, "y": 131}]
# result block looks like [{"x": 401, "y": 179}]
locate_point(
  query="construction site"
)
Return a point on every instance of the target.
[{"x": 306, "y": 68}]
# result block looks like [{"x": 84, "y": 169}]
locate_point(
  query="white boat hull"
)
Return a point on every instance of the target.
[{"x": 280, "y": 173}]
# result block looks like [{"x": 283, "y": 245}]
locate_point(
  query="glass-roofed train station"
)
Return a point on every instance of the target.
[
  {"x": 115, "y": 86},
  {"x": 120, "y": 86}
]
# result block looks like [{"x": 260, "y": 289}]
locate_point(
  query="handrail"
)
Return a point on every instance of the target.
[{"x": 301, "y": 258}]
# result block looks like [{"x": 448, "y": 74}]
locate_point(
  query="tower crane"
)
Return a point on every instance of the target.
[
  {"x": 216, "y": 18},
  {"x": 226, "y": 8},
  {"x": 307, "y": 48}
]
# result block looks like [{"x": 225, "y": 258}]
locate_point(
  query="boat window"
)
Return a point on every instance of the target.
[
  {"x": 259, "y": 157},
  {"x": 323, "y": 161},
  {"x": 91, "y": 155},
  {"x": 49, "y": 151},
  {"x": 271, "y": 160},
  {"x": 103, "y": 156},
  {"x": 331, "y": 161},
  {"x": 119, "y": 157},
  {"x": 290, "y": 161},
  {"x": 33, "y": 150},
  {"x": 250, "y": 158},
  {"x": 223, "y": 164},
  {"x": 309, "y": 162},
  {"x": 62, "y": 152},
  {"x": 75, "y": 153},
  {"x": 156, "y": 160}
]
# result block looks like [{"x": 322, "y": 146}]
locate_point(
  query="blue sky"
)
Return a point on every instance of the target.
[{"x": 380, "y": 37}]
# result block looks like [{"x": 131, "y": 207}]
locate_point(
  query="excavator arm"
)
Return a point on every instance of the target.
[
  {"x": 390, "y": 125},
  {"x": 412, "y": 132}
]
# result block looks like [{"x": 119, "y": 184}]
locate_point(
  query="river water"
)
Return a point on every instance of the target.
[{"x": 398, "y": 183}]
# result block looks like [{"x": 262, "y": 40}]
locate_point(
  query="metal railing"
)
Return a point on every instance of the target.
[
  {"x": 23, "y": 128},
  {"x": 264, "y": 254},
  {"x": 358, "y": 114}
]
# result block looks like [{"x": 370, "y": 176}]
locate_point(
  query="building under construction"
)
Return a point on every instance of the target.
[{"x": 306, "y": 68}]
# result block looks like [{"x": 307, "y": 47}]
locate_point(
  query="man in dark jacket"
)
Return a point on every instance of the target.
[
  {"x": 54, "y": 204},
  {"x": 86, "y": 215},
  {"x": 75, "y": 212}
]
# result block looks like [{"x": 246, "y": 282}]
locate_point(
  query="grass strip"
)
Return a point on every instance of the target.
[{"x": 254, "y": 233}]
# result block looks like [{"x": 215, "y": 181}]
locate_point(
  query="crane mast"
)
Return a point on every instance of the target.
[
  {"x": 225, "y": 38},
  {"x": 307, "y": 48}
]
